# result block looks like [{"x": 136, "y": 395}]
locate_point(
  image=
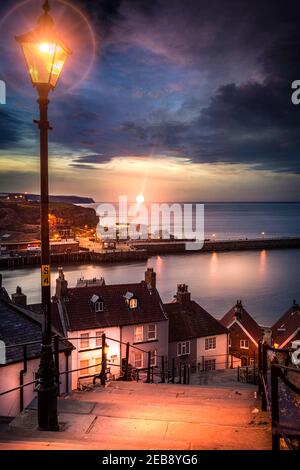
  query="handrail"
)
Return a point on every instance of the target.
[
  {"x": 18, "y": 388},
  {"x": 270, "y": 395}
]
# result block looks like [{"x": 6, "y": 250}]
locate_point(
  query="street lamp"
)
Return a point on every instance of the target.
[{"x": 45, "y": 56}]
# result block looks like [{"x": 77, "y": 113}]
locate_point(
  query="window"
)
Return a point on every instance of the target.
[
  {"x": 84, "y": 366},
  {"x": 97, "y": 365},
  {"x": 152, "y": 331},
  {"x": 210, "y": 343},
  {"x": 210, "y": 364},
  {"x": 229, "y": 341},
  {"x": 251, "y": 361},
  {"x": 183, "y": 348},
  {"x": 99, "y": 338},
  {"x": 133, "y": 303},
  {"x": 84, "y": 340},
  {"x": 138, "y": 334},
  {"x": 244, "y": 344},
  {"x": 153, "y": 358},
  {"x": 99, "y": 306},
  {"x": 138, "y": 359}
]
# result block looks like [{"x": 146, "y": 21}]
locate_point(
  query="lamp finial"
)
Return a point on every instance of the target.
[{"x": 46, "y": 6}]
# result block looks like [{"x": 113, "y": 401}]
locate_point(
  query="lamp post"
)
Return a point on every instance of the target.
[{"x": 45, "y": 55}]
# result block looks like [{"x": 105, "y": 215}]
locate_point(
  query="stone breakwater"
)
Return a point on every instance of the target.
[{"x": 142, "y": 250}]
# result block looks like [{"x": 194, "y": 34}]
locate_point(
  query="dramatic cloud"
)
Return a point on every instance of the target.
[{"x": 207, "y": 83}]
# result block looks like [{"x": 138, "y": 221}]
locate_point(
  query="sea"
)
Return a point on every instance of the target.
[{"x": 266, "y": 281}]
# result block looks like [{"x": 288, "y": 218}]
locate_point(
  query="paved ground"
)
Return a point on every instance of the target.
[
  {"x": 218, "y": 378},
  {"x": 148, "y": 416}
]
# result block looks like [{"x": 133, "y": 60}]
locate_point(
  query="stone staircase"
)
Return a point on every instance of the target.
[{"x": 129, "y": 415}]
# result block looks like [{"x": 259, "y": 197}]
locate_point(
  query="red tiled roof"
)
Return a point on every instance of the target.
[
  {"x": 245, "y": 319},
  {"x": 190, "y": 320},
  {"x": 81, "y": 314},
  {"x": 288, "y": 324}
]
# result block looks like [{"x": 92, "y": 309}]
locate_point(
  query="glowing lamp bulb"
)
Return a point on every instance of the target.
[{"x": 44, "y": 47}]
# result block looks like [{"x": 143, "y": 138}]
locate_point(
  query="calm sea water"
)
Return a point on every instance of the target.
[
  {"x": 240, "y": 220},
  {"x": 266, "y": 281}
]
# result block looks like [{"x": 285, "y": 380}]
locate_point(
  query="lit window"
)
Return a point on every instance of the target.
[
  {"x": 183, "y": 348},
  {"x": 99, "y": 338},
  {"x": 153, "y": 358},
  {"x": 99, "y": 306},
  {"x": 138, "y": 334},
  {"x": 83, "y": 365},
  {"x": 210, "y": 343},
  {"x": 84, "y": 340},
  {"x": 210, "y": 364},
  {"x": 133, "y": 303},
  {"x": 138, "y": 359},
  {"x": 97, "y": 365},
  {"x": 244, "y": 344},
  {"x": 152, "y": 331}
]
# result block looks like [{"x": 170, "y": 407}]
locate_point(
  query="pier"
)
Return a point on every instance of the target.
[{"x": 142, "y": 250}]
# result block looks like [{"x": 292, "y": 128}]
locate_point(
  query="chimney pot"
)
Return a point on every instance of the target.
[
  {"x": 183, "y": 295},
  {"x": 150, "y": 278}
]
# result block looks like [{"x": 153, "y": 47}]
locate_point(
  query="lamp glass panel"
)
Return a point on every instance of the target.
[{"x": 45, "y": 61}]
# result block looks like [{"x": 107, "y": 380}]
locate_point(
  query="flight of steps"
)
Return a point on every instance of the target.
[{"x": 129, "y": 415}]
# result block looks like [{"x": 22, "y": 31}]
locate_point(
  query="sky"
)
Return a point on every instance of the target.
[{"x": 180, "y": 100}]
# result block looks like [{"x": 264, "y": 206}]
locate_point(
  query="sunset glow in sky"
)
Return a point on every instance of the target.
[{"x": 176, "y": 100}]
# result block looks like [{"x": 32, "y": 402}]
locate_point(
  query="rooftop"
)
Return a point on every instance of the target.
[
  {"x": 80, "y": 313},
  {"x": 240, "y": 314},
  {"x": 287, "y": 325},
  {"x": 190, "y": 320}
]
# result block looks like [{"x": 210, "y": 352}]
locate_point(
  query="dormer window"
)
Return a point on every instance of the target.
[
  {"x": 131, "y": 300},
  {"x": 99, "y": 307},
  {"x": 133, "y": 303},
  {"x": 97, "y": 303}
]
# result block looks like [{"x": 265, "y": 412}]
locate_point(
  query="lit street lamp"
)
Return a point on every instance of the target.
[{"x": 45, "y": 55}]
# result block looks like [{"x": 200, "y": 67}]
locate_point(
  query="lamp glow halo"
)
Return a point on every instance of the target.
[{"x": 79, "y": 36}]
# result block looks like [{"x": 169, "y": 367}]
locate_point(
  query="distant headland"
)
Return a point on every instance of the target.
[{"x": 55, "y": 198}]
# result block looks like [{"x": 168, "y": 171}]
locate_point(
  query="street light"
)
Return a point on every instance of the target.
[{"x": 45, "y": 56}]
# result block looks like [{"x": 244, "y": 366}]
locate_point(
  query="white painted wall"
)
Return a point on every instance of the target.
[
  {"x": 94, "y": 355},
  {"x": 9, "y": 378},
  {"x": 219, "y": 353}
]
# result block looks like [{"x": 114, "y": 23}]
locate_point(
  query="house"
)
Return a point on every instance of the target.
[
  {"x": 244, "y": 334},
  {"x": 287, "y": 328},
  {"x": 196, "y": 338},
  {"x": 19, "y": 325},
  {"x": 131, "y": 312}
]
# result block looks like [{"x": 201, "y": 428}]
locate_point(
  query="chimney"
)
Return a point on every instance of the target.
[
  {"x": 150, "y": 278},
  {"x": 61, "y": 285},
  {"x": 183, "y": 296},
  {"x": 238, "y": 310},
  {"x": 19, "y": 298}
]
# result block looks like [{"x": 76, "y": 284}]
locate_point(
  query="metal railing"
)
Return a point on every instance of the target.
[
  {"x": 276, "y": 388},
  {"x": 127, "y": 372}
]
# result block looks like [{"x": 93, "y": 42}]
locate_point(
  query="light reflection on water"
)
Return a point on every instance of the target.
[{"x": 266, "y": 281}]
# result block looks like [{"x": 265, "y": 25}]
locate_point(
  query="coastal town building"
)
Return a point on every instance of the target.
[
  {"x": 287, "y": 328},
  {"x": 130, "y": 312},
  {"x": 196, "y": 338},
  {"x": 19, "y": 364},
  {"x": 244, "y": 334}
]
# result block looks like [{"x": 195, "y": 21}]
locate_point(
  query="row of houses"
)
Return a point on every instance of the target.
[{"x": 180, "y": 332}]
